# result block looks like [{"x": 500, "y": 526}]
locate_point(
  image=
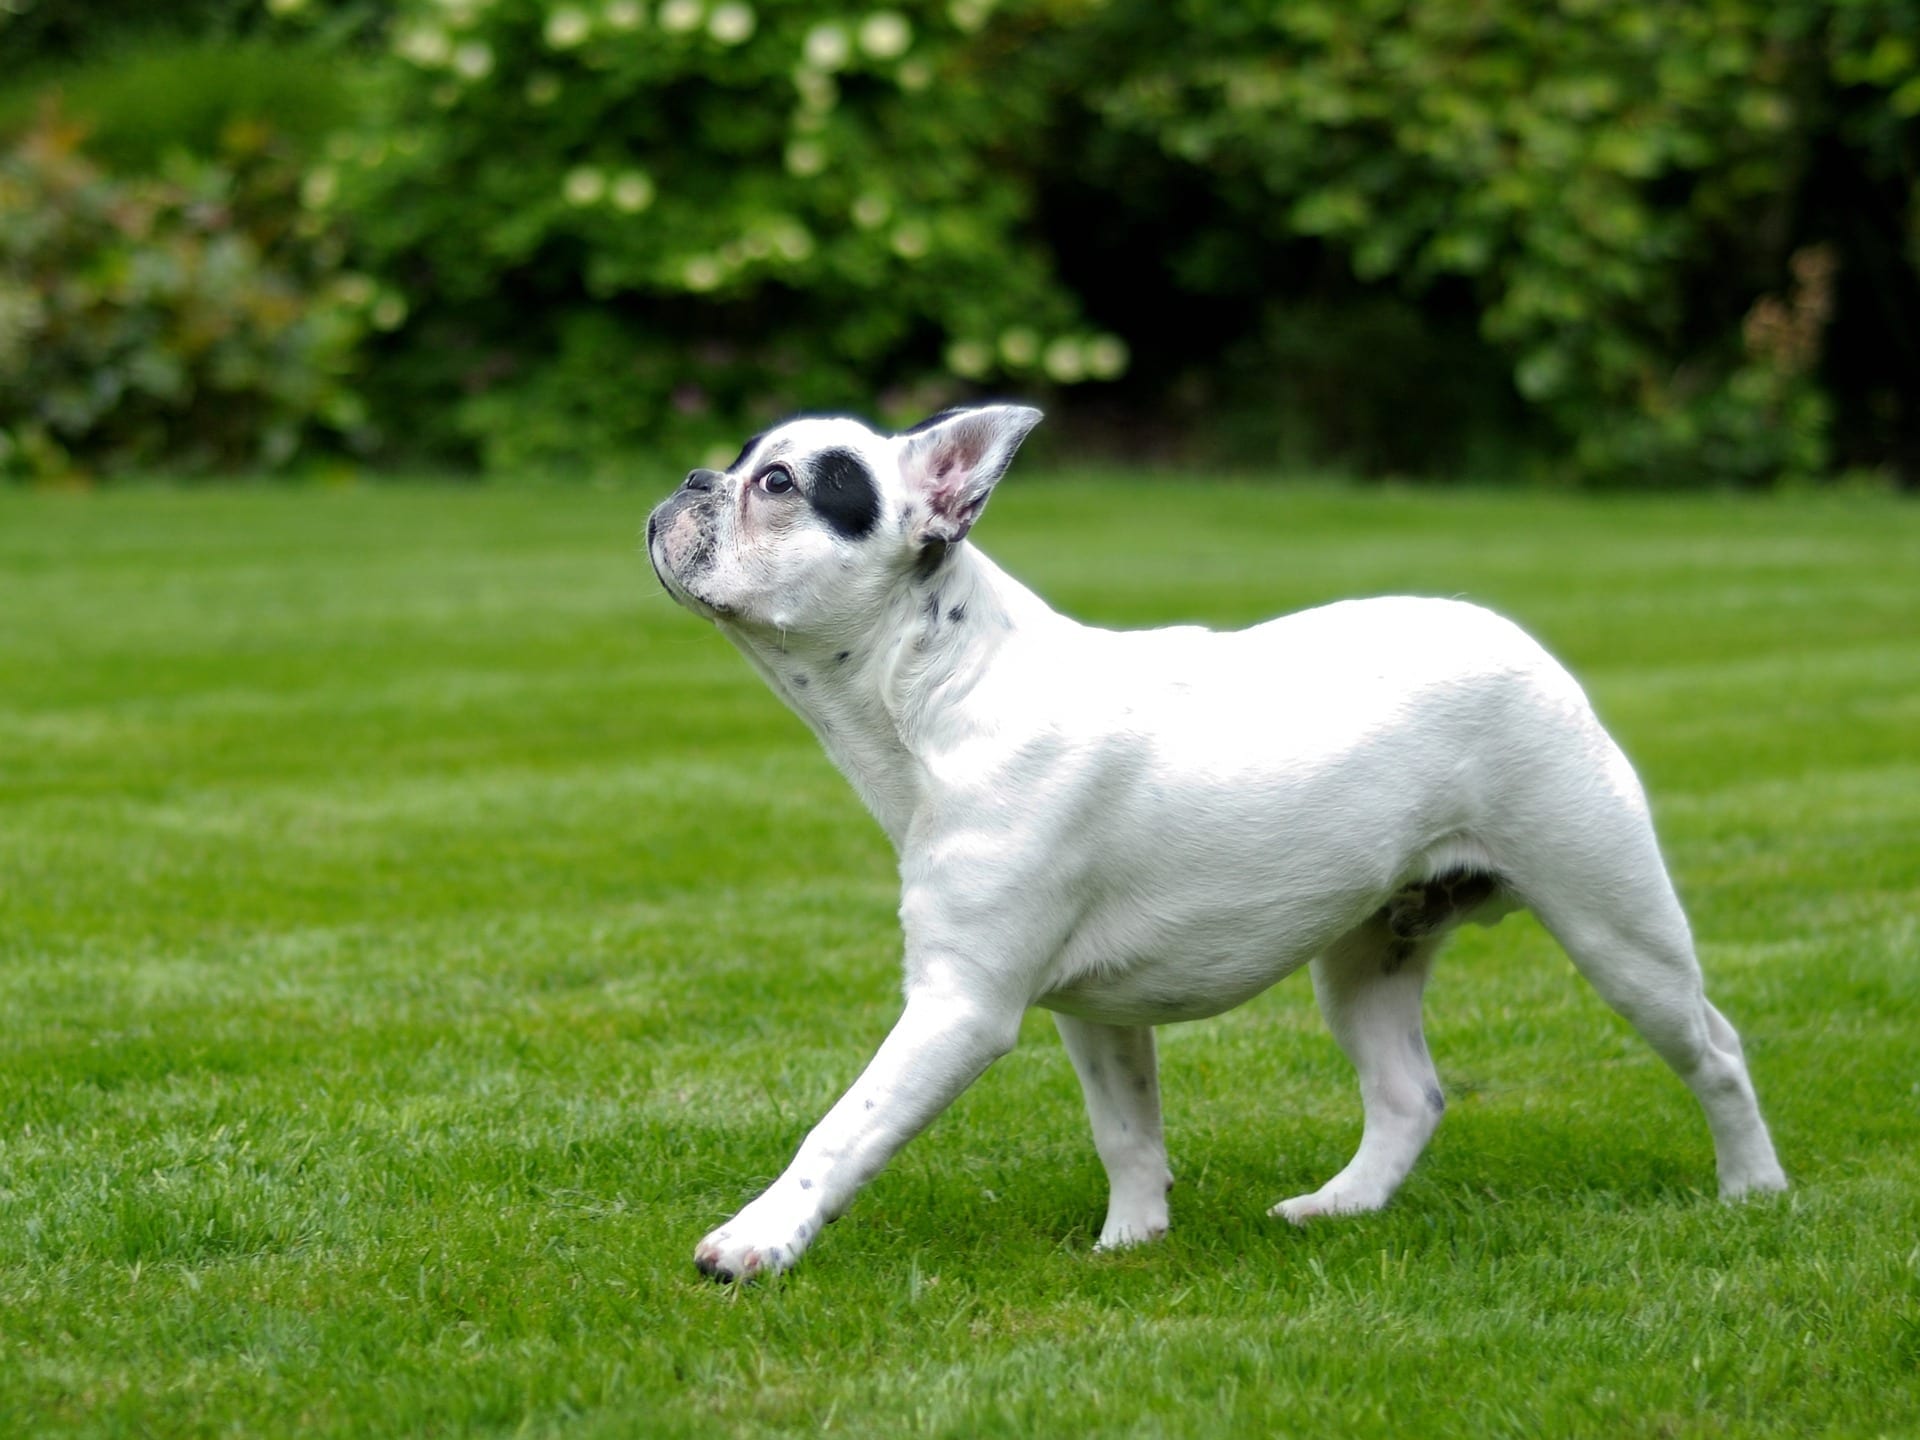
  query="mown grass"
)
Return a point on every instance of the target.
[{"x": 415, "y": 933}]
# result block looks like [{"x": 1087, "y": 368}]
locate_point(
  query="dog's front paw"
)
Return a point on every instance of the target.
[
  {"x": 758, "y": 1241},
  {"x": 722, "y": 1258}
]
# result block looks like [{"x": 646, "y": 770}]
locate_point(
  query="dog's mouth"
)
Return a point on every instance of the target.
[{"x": 682, "y": 594}]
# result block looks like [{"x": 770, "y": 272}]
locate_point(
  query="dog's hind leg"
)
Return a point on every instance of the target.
[
  {"x": 1369, "y": 985},
  {"x": 1602, "y": 890},
  {"x": 1121, "y": 1081},
  {"x": 1634, "y": 948}
]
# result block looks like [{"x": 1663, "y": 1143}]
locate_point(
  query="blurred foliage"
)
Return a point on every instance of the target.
[
  {"x": 170, "y": 94},
  {"x": 1614, "y": 183},
  {"x": 634, "y": 226},
  {"x": 166, "y": 322},
  {"x": 50, "y": 34},
  {"x": 1666, "y": 243},
  {"x": 628, "y": 223}
]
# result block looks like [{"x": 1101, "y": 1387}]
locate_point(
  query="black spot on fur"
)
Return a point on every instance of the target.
[
  {"x": 957, "y": 614},
  {"x": 844, "y": 493},
  {"x": 940, "y": 419},
  {"x": 746, "y": 450},
  {"x": 1435, "y": 1100},
  {"x": 840, "y": 657},
  {"x": 806, "y": 1184},
  {"x": 932, "y": 556},
  {"x": 800, "y": 681},
  {"x": 930, "y": 607}
]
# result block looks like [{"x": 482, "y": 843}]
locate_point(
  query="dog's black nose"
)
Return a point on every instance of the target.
[{"x": 702, "y": 479}]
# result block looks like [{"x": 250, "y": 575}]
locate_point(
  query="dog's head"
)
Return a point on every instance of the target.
[{"x": 819, "y": 520}]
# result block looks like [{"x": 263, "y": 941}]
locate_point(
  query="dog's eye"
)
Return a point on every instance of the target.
[{"x": 775, "y": 480}]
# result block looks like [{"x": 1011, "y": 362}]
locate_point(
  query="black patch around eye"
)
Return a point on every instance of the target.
[{"x": 844, "y": 493}]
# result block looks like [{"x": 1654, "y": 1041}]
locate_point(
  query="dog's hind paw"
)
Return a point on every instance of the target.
[
  {"x": 1323, "y": 1203},
  {"x": 1770, "y": 1180},
  {"x": 1125, "y": 1237}
]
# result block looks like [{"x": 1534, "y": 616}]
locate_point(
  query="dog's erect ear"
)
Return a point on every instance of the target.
[{"x": 953, "y": 461}]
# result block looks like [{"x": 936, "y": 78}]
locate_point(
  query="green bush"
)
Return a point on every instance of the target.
[
  {"x": 1669, "y": 243},
  {"x": 140, "y": 106},
  {"x": 168, "y": 322},
  {"x": 1615, "y": 183},
  {"x": 623, "y": 225}
]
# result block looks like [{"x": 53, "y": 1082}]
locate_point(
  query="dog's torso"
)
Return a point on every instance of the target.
[{"x": 1178, "y": 818}]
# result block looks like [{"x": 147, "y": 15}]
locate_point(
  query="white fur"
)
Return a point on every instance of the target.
[{"x": 1134, "y": 828}]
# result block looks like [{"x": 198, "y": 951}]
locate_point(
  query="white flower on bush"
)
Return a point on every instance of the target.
[
  {"x": 1065, "y": 362},
  {"x": 806, "y": 158},
  {"x": 827, "y": 46},
  {"x": 871, "y": 210},
  {"x": 567, "y": 27},
  {"x": 1019, "y": 346},
  {"x": 1107, "y": 357},
  {"x": 584, "y": 185},
  {"x": 885, "y": 35},
  {"x": 354, "y": 289},
  {"x": 732, "y": 23},
  {"x": 818, "y": 93},
  {"x": 425, "y": 45},
  {"x": 793, "y": 242},
  {"x": 473, "y": 60},
  {"x": 677, "y": 17},
  {"x": 320, "y": 186},
  {"x": 910, "y": 241},
  {"x": 701, "y": 273},
  {"x": 632, "y": 192},
  {"x": 543, "y": 88},
  {"x": 623, "y": 15},
  {"x": 389, "y": 312},
  {"x": 970, "y": 359},
  {"x": 969, "y": 15}
]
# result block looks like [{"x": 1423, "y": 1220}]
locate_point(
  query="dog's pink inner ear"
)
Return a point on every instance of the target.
[{"x": 954, "y": 462}]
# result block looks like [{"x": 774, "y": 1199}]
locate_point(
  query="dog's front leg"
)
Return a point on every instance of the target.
[
  {"x": 939, "y": 1046},
  {"x": 1122, "y": 1084}
]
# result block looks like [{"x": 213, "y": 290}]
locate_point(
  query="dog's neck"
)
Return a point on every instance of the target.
[{"x": 874, "y": 692}]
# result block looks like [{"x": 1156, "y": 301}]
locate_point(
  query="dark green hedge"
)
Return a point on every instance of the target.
[{"x": 1641, "y": 241}]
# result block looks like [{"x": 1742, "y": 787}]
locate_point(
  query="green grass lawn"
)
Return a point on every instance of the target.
[{"x": 415, "y": 934}]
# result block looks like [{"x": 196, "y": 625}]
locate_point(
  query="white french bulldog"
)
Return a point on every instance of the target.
[{"x": 1134, "y": 828}]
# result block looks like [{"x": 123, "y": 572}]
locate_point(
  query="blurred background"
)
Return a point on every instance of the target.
[{"x": 1643, "y": 243}]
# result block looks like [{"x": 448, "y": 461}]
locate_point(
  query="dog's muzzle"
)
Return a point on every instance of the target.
[{"x": 679, "y": 544}]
